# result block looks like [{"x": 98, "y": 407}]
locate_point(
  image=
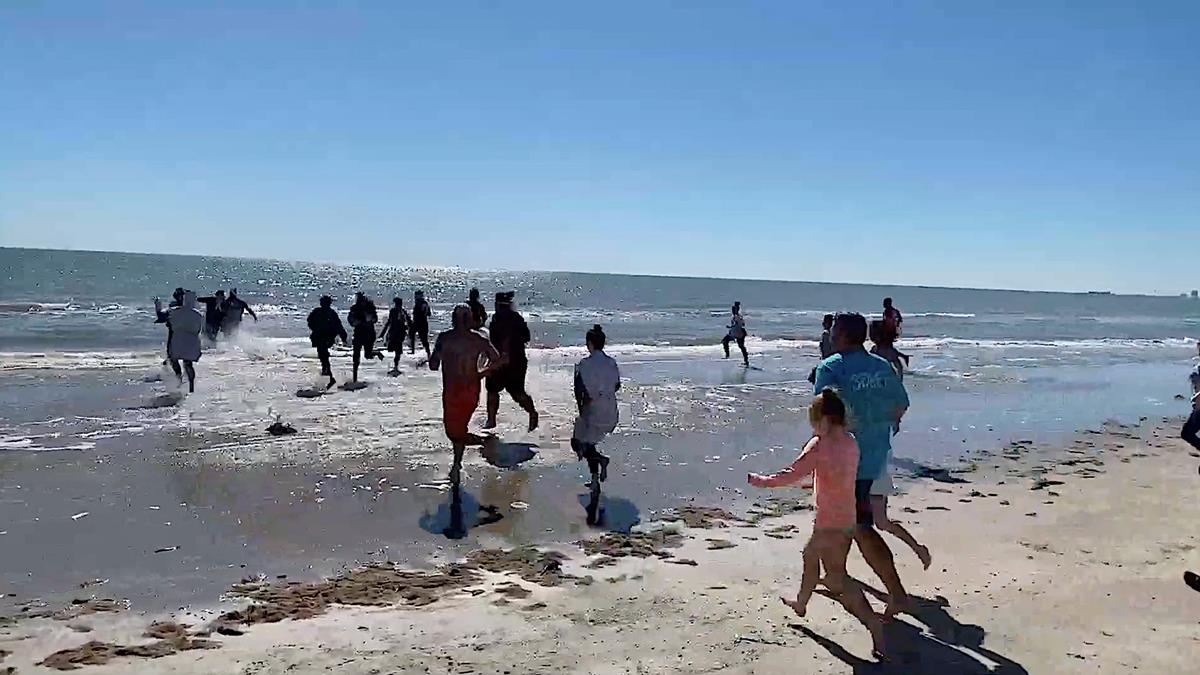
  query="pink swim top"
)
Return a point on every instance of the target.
[{"x": 834, "y": 461}]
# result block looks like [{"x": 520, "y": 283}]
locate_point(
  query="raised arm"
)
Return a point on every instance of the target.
[
  {"x": 249, "y": 311},
  {"x": 802, "y": 467}
]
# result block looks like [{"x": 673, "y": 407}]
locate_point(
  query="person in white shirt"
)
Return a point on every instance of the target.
[
  {"x": 183, "y": 340},
  {"x": 597, "y": 380}
]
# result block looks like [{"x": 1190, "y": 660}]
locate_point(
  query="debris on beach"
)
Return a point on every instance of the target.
[
  {"x": 617, "y": 545},
  {"x": 96, "y": 653},
  {"x": 774, "y": 507},
  {"x": 719, "y": 544},
  {"x": 937, "y": 474},
  {"x": 1043, "y": 483},
  {"x": 374, "y": 585},
  {"x": 77, "y": 608},
  {"x": 540, "y": 567},
  {"x": 701, "y": 517},
  {"x": 279, "y": 428}
]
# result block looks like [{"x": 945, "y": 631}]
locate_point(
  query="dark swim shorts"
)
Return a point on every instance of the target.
[
  {"x": 510, "y": 378},
  {"x": 863, "y": 515}
]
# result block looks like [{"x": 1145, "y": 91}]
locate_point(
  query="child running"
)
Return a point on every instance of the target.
[{"x": 832, "y": 455}]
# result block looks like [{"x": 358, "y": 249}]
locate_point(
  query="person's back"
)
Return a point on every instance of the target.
[
  {"x": 874, "y": 394},
  {"x": 421, "y": 313},
  {"x": 509, "y": 333},
  {"x": 833, "y": 480},
  {"x": 325, "y": 326},
  {"x": 601, "y": 378}
]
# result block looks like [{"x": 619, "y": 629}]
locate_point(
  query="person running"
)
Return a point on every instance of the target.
[
  {"x": 362, "y": 318},
  {"x": 160, "y": 315},
  {"x": 397, "y": 324},
  {"x": 877, "y": 400},
  {"x": 325, "y": 328},
  {"x": 831, "y": 457},
  {"x": 883, "y": 347},
  {"x": 1191, "y": 428},
  {"x": 419, "y": 326},
  {"x": 478, "y": 312},
  {"x": 184, "y": 324},
  {"x": 826, "y": 337},
  {"x": 213, "y": 314},
  {"x": 597, "y": 381},
  {"x": 457, "y": 353},
  {"x": 893, "y": 325},
  {"x": 232, "y": 309},
  {"x": 737, "y": 332},
  {"x": 509, "y": 333}
]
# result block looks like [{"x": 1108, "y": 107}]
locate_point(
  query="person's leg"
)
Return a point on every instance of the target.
[
  {"x": 355, "y": 359},
  {"x": 848, "y": 592},
  {"x": 425, "y": 341},
  {"x": 191, "y": 375},
  {"x": 882, "y": 522},
  {"x": 495, "y": 386},
  {"x": 1191, "y": 429},
  {"x": 516, "y": 389},
  {"x": 809, "y": 577},
  {"x": 742, "y": 346},
  {"x": 396, "y": 357},
  {"x": 175, "y": 367},
  {"x": 875, "y": 550},
  {"x": 323, "y": 357},
  {"x": 412, "y": 342},
  {"x": 725, "y": 344}
]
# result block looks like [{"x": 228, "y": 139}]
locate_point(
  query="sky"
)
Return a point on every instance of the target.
[{"x": 1032, "y": 145}]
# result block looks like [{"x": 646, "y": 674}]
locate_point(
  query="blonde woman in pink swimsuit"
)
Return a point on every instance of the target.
[{"x": 832, "y": 457}]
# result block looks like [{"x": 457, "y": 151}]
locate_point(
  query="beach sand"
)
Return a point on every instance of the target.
[{"x": 1029, "y": 575}]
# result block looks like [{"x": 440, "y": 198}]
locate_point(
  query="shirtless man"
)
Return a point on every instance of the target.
[{"x": 459, "y": 350}]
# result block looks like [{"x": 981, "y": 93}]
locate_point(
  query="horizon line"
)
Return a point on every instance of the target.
[{"x": 619, "y": 274}]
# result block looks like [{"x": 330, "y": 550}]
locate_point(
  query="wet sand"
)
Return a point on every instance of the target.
[{"x": 1064, "y": 559}]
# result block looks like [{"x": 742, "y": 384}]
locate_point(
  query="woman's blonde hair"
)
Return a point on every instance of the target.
[{"x": 827, "y": 404}]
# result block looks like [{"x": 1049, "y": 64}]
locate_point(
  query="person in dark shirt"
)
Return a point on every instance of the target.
[
  {"x": 213, "y": 314},
  {"x": 478, "y": 312},
  {"x": 419, "y": 328},
  {"x": 362, "y": 318},
  {"x": 231, "y": 313},
  {"x": 509, "y": 333},
  {"x": 326, "y": 327},
  {"x": 394, "y": 331}
]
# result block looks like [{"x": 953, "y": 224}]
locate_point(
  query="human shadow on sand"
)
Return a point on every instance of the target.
[
  {"x": 506, "y": 455},
  {"x": 945, "y": 646},
  {"x": 455, "y": 517},
  {"x": 614, "y": 514}
]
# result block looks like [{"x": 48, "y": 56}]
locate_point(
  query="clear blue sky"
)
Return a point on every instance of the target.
[{"x": 1032, "y": 145}]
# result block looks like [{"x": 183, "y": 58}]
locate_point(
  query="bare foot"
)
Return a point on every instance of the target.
[
  {"x": 901, "y": 605},
  {"x": 490, "y": 424},
  {"x": 798, "y": 607},
  {"x": 925, "y": 556},
  {"x": 533, "y": 420}
]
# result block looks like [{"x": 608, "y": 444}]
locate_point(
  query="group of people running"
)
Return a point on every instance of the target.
[{"x": 222, "y": 314}]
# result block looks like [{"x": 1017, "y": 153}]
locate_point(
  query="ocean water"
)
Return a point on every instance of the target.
[{"x": 90, "y": 423}]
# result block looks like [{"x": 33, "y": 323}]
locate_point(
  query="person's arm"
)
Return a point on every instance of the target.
[
  {"x": 798, "y": 471},
  {"x": 823, "y": 378},
  {"x": 159, "y": 315},
  {"x": 523, "y": 333},
  {"x": 581, "y": 395},
  {"x": 386, "y": 325},
  {"x": 341, "y": 330},
  {"x": 1191, "y": 429},
  {"x": 249, "y": 311},
  {"x": 899, "y": 393},
  {"x": 435, "y": 357},
  {"x": 494, "y": 359},
  {"x": 618, "y": 369}
]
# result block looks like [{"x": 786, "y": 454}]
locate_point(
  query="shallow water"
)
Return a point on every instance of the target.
[{"x": 90, "y": 423}]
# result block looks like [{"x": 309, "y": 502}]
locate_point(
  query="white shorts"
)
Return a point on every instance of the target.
[{"x": 883, "y": 486}]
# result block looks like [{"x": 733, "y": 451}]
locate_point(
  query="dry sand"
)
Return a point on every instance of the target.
[{"x": 1082, "y": 576}]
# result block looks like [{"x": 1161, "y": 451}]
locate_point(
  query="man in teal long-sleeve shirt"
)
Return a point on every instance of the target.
[{"x": 877, "y": 400}]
